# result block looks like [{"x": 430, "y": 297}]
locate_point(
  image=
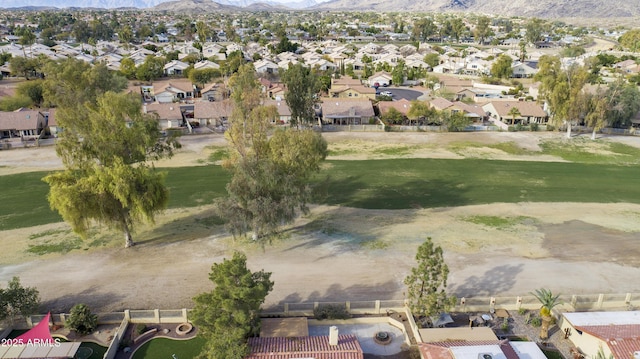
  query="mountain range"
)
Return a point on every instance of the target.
[{"x": 525, "y": 8}]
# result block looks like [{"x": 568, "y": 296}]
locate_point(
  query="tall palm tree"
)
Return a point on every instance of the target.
[{"x": 548, "y": 301}]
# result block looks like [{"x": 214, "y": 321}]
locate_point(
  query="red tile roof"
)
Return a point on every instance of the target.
[
  {"x": 624, "y": 348},
  {"x": 305, "y": 347}
]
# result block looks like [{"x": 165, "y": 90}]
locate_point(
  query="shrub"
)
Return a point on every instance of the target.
[
  {"x": 82, "y": 320},
  {"x": 140, "y": 328},
  {"x": 505, "y": 325},
  {"x": 533, "y": 127},
  {"x": 536, "y": 321},
  {"x": 551, "y": 128},
  {"x": 331, "y": 311},
  {"x": 522, "y": 311}
]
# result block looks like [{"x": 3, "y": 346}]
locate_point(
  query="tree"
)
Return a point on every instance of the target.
[
  {"x": 302, "y": 91},
  {"x": 561, "y": 89},
  {"x": 482, "y": 29},
  {"x": 501, "y": 68},
  {"x": 630, "y": 40},
  {"x": 107, "y": 148},
  {"x": 432, "y": 59},
  {"x": 151, "y": 69},
  {"x": 18, "y": 300},
  {"x": 270, "y": 175},
  {"x": 72, "y": 82},
  {"x": 393, "y": 116},
  {"x": 533, "y": 30},
  {"x": 81, "y": 320},
  {"x": 22, "y": 66},
  {"x": 455, "y": 121},
  {"x": 423, "y": 29},
  {"x": 203, "y": 31},
  {"x": 548, "y": 301},
  {"x": 27, "y": 39},
  {"x": 514, "y": 112},
  {"x": 203, "y": 76},
  {"x": 427, "y": 282},
  {"x": 32, "y": 90},
  {"x": 457, "y": 28},
  {"x": 125, "y": 35},
  {"x": 128, "y": 68},
  {"x": 398, "y": 73},
  {"x": 420, "y": 110},
  {"x": 229, "y": 314}
]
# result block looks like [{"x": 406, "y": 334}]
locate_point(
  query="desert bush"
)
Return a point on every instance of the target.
[
  {"x": 140, "y": 328},
  {"x": 81, "y": 319},
  {"x": 536, "y": 321}
]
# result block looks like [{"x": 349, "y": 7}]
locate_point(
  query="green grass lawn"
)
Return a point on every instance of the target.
[
  {"x": 161, "y": 348},
  {"x": 378, "y": 184}
]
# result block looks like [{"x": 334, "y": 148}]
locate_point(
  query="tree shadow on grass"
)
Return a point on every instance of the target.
[
  {"x": 496, "y": 280},
  {"x": 358, "y": 192}
]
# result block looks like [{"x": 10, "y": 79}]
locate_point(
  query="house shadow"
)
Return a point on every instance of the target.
[{"x": 498, "y": 279}]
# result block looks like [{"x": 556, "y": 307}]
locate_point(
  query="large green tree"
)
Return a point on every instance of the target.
[
  {"x": 630, "y": 40},
  {"x": 270, "y": 174},
  {"x": 228, "y": 315},
  {"x": 427, "y": 282},
  {"x": 107, "y": 147},
  {"x": 501, "y": 68},
  {"x": 561, "y": 89},
  {"x": 18, "y": 300},
  {"x": 302, "y": 91}
]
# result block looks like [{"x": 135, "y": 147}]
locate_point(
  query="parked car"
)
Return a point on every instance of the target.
[{"x": 386, "y": 93}]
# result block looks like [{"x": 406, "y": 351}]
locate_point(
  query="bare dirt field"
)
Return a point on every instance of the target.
[{"x": 340, "y": 253}]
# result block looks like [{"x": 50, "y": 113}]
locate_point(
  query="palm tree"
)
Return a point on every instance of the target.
[
  {"x": 514, "y": 112},
  {"x": 548, "y": 301}
]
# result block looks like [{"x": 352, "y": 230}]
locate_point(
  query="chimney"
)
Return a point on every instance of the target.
[{"x": 333, "y": 335}]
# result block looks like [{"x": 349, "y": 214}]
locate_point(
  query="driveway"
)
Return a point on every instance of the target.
[{"x": 400, "y": 93}]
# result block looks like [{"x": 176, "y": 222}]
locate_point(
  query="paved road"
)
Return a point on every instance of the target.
[{"x": 399, "y": 93}]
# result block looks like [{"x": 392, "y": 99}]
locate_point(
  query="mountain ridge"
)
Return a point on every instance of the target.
[{"x": 524, "y": 8}]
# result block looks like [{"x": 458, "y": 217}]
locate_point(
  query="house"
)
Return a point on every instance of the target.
[
  {"x": 476, "y": 342},
  {"x": 318, "y": 347},
  {"x": 347, "y": 111},
  {"x": 352, "y": 91},
  {"x": 382, "y": 78},
  {"x": 214, "y": 114},
  {"x": 25, "y": 124},
  {"x": 615, "y": 333},
  {"x": 527, "y": 112},
  {"x": 170, "y": 91},
  {"x": 213, "y": 92},
  {"x": 168, "y": 115},
  {"x": 402, "y": 105},
  {"x": 265, "y": 67},
  {"x": 175, "y": 67},
  {"x": 522, "y": 70},
  {"x": 206, "y": 64},
  {"x": 284, "y": 112}
]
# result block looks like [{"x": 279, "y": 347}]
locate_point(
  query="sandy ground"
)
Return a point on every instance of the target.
[{"x": 339, "y": 253}]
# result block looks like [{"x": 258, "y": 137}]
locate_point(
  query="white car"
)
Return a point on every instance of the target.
[{"x": 386, "y": 93}]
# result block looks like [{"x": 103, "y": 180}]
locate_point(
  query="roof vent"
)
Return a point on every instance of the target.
[
  {"x": 485, "y": 356},
  {"x": 636, "y": 355}
]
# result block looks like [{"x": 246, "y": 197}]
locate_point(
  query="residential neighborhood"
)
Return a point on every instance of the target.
[{"x": 317, "y": 184}]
